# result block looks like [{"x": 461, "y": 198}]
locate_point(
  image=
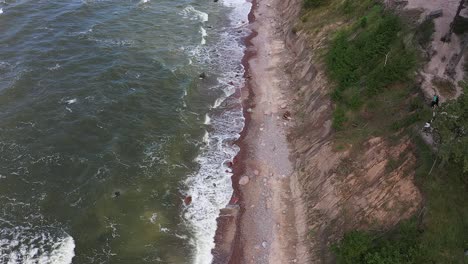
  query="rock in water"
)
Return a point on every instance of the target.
[
  {"x": 244, "y": 180},
  {"x": 202, "y": 75},
  {"x": 188, "y": 200}
]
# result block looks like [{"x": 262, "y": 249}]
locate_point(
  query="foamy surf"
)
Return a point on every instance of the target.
[
  {"x": 24, "y": 245},
  {"x": 210, "y": 187},
  {"x": 204, "y": 35},
  {"x": 193, "y": 14},
  {"x": 207, "y": 120}
]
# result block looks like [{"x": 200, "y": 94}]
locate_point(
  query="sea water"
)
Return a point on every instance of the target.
[{"x": 106, "y": 125}]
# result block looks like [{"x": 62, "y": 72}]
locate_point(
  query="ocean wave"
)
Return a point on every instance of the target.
[
  {"x": 25, "y": 245},
  {"x": 210, "y": 187}
]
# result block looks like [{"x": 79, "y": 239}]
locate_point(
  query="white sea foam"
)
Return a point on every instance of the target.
[
  {"x": 207, "y": 120},
  {"x": 211, "y": 187},
  {"x": 206, "y": 138},
  {"x": 193, "y": 14},
  {"x": 204, "y": 35},
  {"x": 1, "y": 10},
  {"x": 71, "y": 101},
  {"x": 53, "y": 68},
  {"x": 153, "y": 218},
  {"x": 24, "y": 245}
]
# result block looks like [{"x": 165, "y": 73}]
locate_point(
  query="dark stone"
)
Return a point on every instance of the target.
[
  {"x": 188, "y": 200},
  {"x": 435, "y": 14},
  {"x": 202, "y": 75},
  {"x": 116, "y": 194}
]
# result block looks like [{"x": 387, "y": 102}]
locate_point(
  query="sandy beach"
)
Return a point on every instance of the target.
[{"x": 264, "y": 230}]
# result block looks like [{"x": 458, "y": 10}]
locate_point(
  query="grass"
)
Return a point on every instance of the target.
[
  {"x": 366, "y": 59},
  {"x": 314, "y": 3}
]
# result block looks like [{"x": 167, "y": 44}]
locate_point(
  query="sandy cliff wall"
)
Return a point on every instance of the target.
[{"x": 340, "y": 190}]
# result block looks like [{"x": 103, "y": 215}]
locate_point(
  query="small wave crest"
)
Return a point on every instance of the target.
[{"x": 193, "y": 14}]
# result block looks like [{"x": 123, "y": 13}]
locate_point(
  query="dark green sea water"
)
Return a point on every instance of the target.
[{"x": 103, "y": 97}]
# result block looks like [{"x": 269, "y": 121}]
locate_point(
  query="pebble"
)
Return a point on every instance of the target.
[
  {"x": 256, "y": 172},
  {"x": 283, "y": 106},
  {"x": 244, "y": 180},
  {"x": 249, "y": 110},
  {"x": 264, "y": 244},
  {"x": 261, "y": 129}
]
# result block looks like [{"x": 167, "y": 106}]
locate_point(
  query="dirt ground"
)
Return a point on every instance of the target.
[{"x": 441, "y": 51}]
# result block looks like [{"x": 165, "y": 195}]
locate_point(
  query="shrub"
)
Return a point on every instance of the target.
[
  {"x": 452, "y": 126},
  {"x": 314, "y": 3},
  {"x": 352, "y": 248},
  {"x": 424, "y": 32},
  {"x": 400, "y": 246},
  {"x": 339, "y": 118},
  {"x": 363, "y": 22},
  {"x": 367, "y": 60}
]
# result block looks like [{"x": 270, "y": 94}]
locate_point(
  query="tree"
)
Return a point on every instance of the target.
[{"x": 452, "y": 125}]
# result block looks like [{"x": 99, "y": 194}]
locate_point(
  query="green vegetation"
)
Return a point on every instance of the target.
[
  {"x": 313, "y": 3},
  {"x": 438, "y": 235},
  {"x": 371, "y": 60},
  {"x": 424, "y": 32},
  {"x": 452, "y": 127},
  {"x": 365, "y": 61},
  {"x": 399, "y": 246}
]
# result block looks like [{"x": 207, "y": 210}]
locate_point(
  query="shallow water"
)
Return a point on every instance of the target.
[{"x": 105, "y": 126}]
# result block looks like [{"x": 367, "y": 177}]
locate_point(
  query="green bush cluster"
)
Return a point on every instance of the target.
[
  {"x": 314, "y": 3},
  {"x": 365, "y": 60},
  {"x": 399, "y": 247},
  {"x": 452, "y": 126},
  {"x": 424, "y": 32}
]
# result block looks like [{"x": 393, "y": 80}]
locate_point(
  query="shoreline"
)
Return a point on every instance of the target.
[
  {"x": 226, "y": 238},
  {"x": 257, "y": 225}
]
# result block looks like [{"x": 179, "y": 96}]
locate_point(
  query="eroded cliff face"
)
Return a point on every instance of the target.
[{"x": 368, "y": 188}]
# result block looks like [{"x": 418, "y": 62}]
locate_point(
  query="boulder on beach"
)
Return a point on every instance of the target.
[{"x": 244, "y": 180}]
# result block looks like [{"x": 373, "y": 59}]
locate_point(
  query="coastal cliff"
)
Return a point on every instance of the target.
[{"x": 361, "y": 175}]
